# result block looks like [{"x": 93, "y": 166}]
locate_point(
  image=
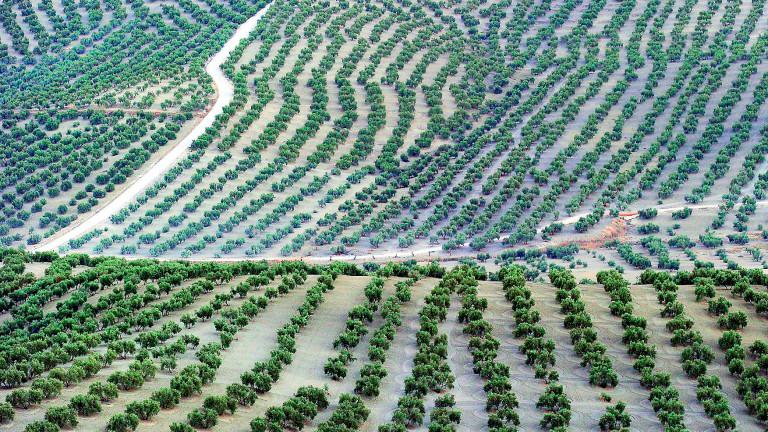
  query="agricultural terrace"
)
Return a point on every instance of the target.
[
  {"x": 632, "y": 132},
  {"x": 107, "y": 344}
]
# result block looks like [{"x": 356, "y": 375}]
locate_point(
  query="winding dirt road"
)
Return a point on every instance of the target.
[
  {"x": 435, "y": 251},
  {"x": 225, "y": 92},
  {"x": 432, "y": 252}
]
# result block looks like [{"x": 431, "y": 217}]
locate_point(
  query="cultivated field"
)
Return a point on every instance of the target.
[
  {"x": 153, "y": 345},
  {"x": 383, "y": 215},
  {"x": 388, "y": 129}
]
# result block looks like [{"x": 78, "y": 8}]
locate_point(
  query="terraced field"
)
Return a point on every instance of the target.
[
  {"x": 106, "y": 344},
  {"x": 621, "y": 132}
]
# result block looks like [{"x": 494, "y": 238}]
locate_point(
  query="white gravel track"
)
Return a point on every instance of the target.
[{"x": 225, "y": 92}]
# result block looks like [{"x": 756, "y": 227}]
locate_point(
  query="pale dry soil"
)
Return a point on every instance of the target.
[{"x": 315, "y": 346}]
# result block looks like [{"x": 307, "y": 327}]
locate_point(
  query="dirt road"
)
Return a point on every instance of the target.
[{"x": 225, "y": 91}]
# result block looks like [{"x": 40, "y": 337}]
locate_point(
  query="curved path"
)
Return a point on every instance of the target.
[
  {"x": 430, "y": 252},
  {"x": 436, "y": 250},
  {"x": 225, "y": 92},
  {"x": 433, "y": 251}
]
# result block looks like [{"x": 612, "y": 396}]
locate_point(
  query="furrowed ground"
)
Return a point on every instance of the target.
[
  {"x": 103, "y": 344},
  {"x": 230, "y": 215},
  {"x": 619, "y": 133}
]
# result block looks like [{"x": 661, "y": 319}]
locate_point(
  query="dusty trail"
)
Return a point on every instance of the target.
[
  {"x": 436, "y": 252},
  {"x": 225, "y": 92}
]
